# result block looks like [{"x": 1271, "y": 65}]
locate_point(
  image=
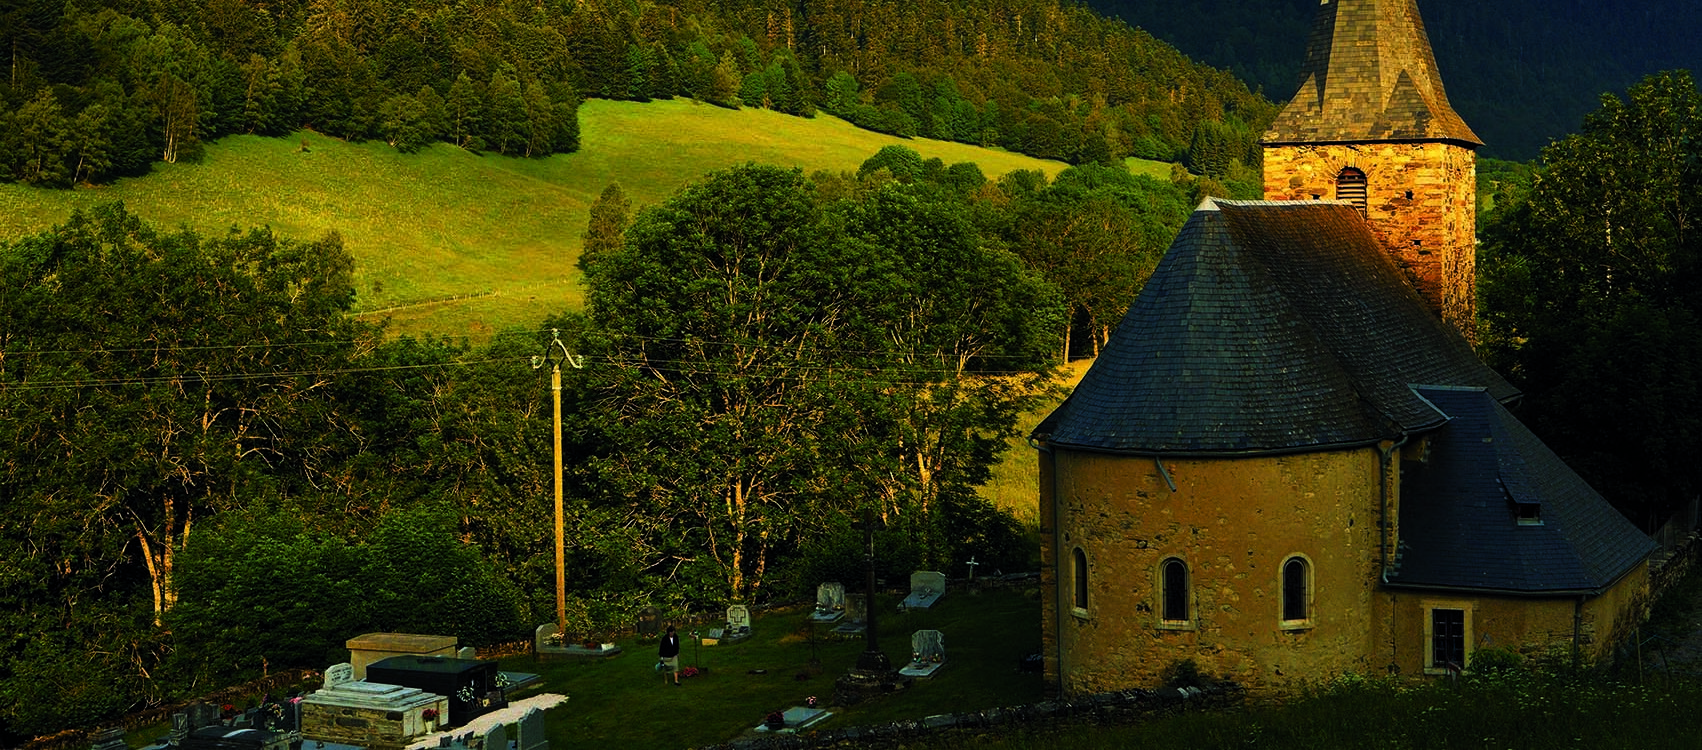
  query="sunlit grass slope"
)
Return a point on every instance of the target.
[
  {"x": 1015, "y": 484},
  {"x": 448, "y": 242}
]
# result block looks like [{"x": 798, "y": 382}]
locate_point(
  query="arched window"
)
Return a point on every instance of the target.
[
  {"x": 1296, "y": 578},
  {"x": 1350, "y": 187},
  {"x": 1175, "y": 576},
  {"x": 1080, "y": 579}
]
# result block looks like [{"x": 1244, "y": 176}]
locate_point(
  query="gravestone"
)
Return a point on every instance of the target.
[
  {"x": 926, "y": 587},
  {"x": 738, "y": 624},
  {"x": 795, "y": 718},
  {"x": 497, "y": 738},
  {"x": 531, "y": 731},
  {"x": 830, "y": 602},
  {"x": 179, "y": 728},
  {"x": 649, "y": 622},
  {"x": 337, "y": 674},
  {"x": 545, "y": 637},
  {"x": 927, "y": 654},
  {"x": 856, "y": 615},
  {"x": 466, "y": 652},
  {"x": 204, "y": 715},
  {"x": 109, "y": 739}
]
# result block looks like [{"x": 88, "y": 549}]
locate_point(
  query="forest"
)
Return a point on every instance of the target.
[
  {"x": 102, "y": 89},
  {"x": 198, "y": 444}
]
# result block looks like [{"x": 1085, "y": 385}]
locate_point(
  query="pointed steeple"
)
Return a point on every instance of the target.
[{"x": 1369, "y": 76}]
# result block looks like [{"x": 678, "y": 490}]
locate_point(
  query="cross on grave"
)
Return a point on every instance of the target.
[
  {"x": 873, "y": 659},
  {"x": 972, "y": 565},
  {"x": 873, "y": 674}
]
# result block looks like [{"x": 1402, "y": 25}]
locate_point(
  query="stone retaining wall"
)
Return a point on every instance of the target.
[{"x": 1104, "y": 709}]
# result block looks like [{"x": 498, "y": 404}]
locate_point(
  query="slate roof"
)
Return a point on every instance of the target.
[
  {"x": 1369, "y": 75},
  {"x": 1457, "y": 519},
  {"x": 1268, "y": 327}
]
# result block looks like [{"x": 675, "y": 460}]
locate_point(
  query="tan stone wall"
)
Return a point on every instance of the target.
[
  {"x": 1421, "y": 198},
  {"x": 369, "y": 727},
  {"x": 1234, "y": 522},
  {"x": 1049, "y": 612},
  {"x": 1535, "y": 627}
]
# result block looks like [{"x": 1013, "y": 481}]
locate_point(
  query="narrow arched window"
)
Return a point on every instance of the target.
[
  {"x": 1175, "y": 590},
  {"x": 1080, "y": 579},
  {"x": 1350, "y": 187},
  {"x": 1294, "y": 584}
]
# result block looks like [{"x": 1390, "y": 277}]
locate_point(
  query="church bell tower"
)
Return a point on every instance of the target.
[{"x": 1371, "y": 125}]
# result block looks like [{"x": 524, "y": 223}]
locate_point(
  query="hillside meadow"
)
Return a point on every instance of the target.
[{"x": 449, "y": 242}]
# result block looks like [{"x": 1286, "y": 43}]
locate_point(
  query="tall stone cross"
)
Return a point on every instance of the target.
[{"x": 873, "y": 659}]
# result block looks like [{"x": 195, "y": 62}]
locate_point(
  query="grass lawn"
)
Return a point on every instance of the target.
[
  {"x": 451, "y": 243},
  {"x": 623, "y": 703}
]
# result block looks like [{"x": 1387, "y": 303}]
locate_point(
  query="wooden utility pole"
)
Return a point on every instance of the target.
[
  {"x": 561, "y": 552},
  {"x": 555, "y": 395}
]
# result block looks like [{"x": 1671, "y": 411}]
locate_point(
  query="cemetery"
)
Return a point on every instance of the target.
[{"x": 775, "y": 676}]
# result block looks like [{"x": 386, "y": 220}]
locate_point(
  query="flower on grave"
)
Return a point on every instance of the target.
[
  {"x": 227, "y": 710},
  {"x": 466, "y": 694},
  {"x": 775, "y": 720},
  {"x": 429, "y": 714},
  {"x": 810, "y": 701},
  {"x": 502, "y": 680}
]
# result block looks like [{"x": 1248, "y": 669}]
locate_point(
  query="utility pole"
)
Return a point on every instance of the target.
[{"x": 555, "y": 394}]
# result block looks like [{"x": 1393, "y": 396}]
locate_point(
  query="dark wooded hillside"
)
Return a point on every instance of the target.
[
  {"x": 1521, "y": 72},
  {"x": 105, "y": 88}
]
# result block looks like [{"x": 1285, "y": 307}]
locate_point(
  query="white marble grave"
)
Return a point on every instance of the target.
[
  {"x": 926, "y": 587},
  {"x": 798, "y": 717},
  {"x": 927, "y": 654},
  {"x": 830, "y": 602}
]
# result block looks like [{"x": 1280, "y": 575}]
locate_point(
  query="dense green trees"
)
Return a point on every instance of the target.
[
  {"x": 209, "y": 470},
  {"x": 762, "y": 364},
  {"x": 102, "y": 89},
  {"x": 1591, "y": 297}
]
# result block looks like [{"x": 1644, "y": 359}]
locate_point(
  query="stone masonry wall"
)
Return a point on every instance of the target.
[
  {"x": 1538, "y": 628},
  {"x": 1421, "y": 199},
  {"x": 1234, "y": 522}
]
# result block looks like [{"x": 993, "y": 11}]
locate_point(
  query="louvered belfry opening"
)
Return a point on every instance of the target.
[{"x": 1350, "y": 187}]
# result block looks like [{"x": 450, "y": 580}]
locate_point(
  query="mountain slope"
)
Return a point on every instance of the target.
[
  {"x": 449, "y": 242},
  {"x": 1521, "y": 72}
]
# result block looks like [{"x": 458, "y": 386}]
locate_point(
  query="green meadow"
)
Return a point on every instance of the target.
[{"x": 448, "y": 242}]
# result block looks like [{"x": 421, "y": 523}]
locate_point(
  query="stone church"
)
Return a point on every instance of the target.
[{"x": 1288, "y": 463}]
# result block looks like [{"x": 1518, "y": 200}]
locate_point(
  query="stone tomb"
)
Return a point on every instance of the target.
[
  {"x": 856, "y": 616},
  {"x": 830, "y": 602},
  {"x": 927, "y": 654},
  {"x": 738, "y": 624},
  {"x": 926, "y": 587},
  {"x": 367, "y": 713},
  {"x": 373, "y": 647},
  {"x": 796, "y": 718},
  {"x": 473, "y": 687}
]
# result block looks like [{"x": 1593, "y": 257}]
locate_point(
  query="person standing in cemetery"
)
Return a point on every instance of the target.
[{"x": 669, "y": 652}]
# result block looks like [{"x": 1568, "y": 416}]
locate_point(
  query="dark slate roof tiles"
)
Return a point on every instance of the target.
[
  {"x": 1267, "y": 328},
  {"x": 1458, "y": 524}
]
